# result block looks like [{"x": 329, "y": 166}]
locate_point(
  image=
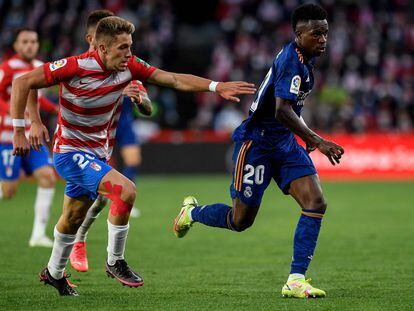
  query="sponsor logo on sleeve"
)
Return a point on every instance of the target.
[
  {"x": 139, "y": 60},
  {"x": 295, "y": 85},
  {"x": 57, "y": 64}
]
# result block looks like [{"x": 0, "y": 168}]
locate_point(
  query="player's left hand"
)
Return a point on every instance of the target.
[
  {"x": 331, "y": 150},
  {"x": 21, "y": 146},
  {"x": 38, "y": 133},
  {"x": 132, "y": 91},
  {"x": 228, "y": 90}
]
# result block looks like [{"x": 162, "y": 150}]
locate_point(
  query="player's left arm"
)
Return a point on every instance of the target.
[
  {"x": 192, "y": 83},
  {"x": 138, "y": 94},
  {"x": 38, "y": 132},
  {"x": 286, "y": 116}
]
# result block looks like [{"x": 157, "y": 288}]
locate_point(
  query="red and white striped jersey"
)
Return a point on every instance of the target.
[
  {"x": 10, "y": 70},
  {"x": 90, "y": 102}
]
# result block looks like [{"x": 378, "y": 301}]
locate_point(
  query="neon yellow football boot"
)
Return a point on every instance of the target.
[
  {"x": 300, "y": 288},
  {"x": 183, "y": 222}
]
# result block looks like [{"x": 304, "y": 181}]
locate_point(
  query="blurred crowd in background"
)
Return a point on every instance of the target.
[{"x": 364, "y": 82}]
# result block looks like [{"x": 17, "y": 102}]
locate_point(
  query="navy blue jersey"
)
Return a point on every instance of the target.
[{"x": 291, "y": 78}]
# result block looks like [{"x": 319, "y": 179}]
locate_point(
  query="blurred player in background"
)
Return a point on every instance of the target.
[
  {"x": 265, "y": 149},
  {"x": 125, "y": 137},
  {"x": 92, "y": 85},
  {"x": 38, "y": 164}
]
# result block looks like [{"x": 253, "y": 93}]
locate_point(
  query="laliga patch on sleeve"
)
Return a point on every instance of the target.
[
  {"x": 139, "y": 60},
  {"x": 295, "y": 85},
  {"x": 57, "y": 64}
]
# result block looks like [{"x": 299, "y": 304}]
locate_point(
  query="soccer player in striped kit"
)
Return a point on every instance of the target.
[
  {"x": 91, "y": 86},
  {"x": 124, "y": 134},
  {"x": 39, "y": 163}
]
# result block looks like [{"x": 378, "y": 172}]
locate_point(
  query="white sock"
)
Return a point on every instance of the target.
[
  {"x": 295, "y": 276},
  {"x": 42, "y": 205},
  {"x": 62, "y": 246},
  {"x": 90, "y": 217},
  {"x": 1, "y": 191},
  {"x": 117, "y": 236}
]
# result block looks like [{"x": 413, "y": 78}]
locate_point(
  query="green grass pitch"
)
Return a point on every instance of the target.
[{"x": 364, "y": 259}]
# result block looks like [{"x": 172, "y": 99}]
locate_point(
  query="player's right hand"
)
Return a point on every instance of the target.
[
  {"x": 38, "y": 134},
  {"x": 229, "y": 90},
  {"x": 331, "y": 150},
  {"x": 21, "y": 146}
]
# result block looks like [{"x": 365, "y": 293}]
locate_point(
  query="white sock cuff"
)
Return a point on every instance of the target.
[
  {"x": 295, "y": 276},
  {"x": 116, "y": 228},
  {"x": 45, "y": 191},
  {"x": 63, "y": 237}
]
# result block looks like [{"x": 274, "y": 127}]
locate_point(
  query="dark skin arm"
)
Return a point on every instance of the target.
[{"x": 286, "y": 116}]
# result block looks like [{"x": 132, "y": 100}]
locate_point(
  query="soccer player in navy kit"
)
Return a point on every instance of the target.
[{"x": 265, "y": 149}]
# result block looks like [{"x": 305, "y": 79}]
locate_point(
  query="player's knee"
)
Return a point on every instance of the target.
[
  {"x": 129, "y": 192},
  {"x": 318, "y": 204},
  {"x": 242, "y": 225},
  {"x": 47, "y": 178},
  {"x": 9, "y": 192}
]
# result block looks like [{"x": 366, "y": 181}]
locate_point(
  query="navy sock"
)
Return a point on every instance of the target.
[
  {"x": 214, "y": 215},
  {"x": 130, "y": 172},
  {"x": 306, "y": 237}
]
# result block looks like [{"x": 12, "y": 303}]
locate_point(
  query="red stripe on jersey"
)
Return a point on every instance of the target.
[
  {"x": 83, "y": 128},
  {"x": 102, "y": 91},
  {"x": 87, "y": 111},
  {"x": 82, "y": 143}
]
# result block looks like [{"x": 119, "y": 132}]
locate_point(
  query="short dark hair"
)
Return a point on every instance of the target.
[
  {"x": 19, "y": 30},
  {"x": 306, "y": 12},
  {"x": 95, "y": 16}
]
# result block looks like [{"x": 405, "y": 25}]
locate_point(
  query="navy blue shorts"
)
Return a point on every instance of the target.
[
  {"x": 125, "y": 134},
  {"x": 10, "y": 165},
  {"x": 82, "y": 171},
  {"x": 254, "y": 167}
]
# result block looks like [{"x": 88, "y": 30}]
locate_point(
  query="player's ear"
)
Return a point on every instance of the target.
[
  {"x": 88, "y": 38},
  {"x": 102, "y": 48}
]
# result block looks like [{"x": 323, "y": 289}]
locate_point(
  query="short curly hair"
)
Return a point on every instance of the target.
[{"x": 306, "y": 12}]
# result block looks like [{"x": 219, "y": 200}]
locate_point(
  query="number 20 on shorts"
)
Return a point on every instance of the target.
[{"x": 253, "y": 175}]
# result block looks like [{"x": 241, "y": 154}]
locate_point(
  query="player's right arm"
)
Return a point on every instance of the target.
[
  {"x": 21, "y": 87},
  {"x": 44, "y": 76},
  {"x": 287, "y": 82}
]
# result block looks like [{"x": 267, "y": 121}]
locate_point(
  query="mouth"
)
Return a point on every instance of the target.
[{"x": 321, "y": 48}]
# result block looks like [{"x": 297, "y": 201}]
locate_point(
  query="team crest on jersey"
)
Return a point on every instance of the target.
[
  {"x": 95, "y": 166},
  {"x": 139, "y": 60},
  {"x": 295, "y": 85},
  {"x": 57, "y": 64},
  {"x": 248, "y": 192}
]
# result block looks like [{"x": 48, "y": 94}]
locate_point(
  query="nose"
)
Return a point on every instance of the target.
[
  {"x": 323, "y": 38},
  {"x": 129, "y": 54}
]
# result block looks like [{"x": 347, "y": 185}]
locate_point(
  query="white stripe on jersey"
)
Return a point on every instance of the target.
[
  {"x": 89, "y": 63},
  {"x": 71, "y": 134},
  {"x": 87, "y": 83},
  {"x": 89, "y": 121}
]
